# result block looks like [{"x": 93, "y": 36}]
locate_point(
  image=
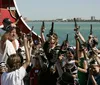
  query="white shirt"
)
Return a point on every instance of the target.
[
  {"x": 9, "y": 49},
  {"x": 14, "y": 77}
]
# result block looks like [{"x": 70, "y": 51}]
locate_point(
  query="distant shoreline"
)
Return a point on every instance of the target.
[{"x": 62, "y": 21}]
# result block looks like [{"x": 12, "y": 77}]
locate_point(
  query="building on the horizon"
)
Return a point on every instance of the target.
[{"x": 92, "y": 18}]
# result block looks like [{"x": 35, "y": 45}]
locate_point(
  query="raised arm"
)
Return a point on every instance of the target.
[
  {"x": 27, "y": 53},
  {"x": 42, "y": 32}
]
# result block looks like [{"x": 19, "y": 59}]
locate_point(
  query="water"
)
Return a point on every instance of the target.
[{"x": 64, "y": 28}]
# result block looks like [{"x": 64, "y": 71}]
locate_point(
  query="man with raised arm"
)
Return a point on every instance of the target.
[{"x": 16, "y": 71}]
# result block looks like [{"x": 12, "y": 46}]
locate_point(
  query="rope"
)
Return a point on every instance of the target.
[
  {"x": 10, "y": 9},
  {"x": 11, "y": 13},
  {"x": 16, "y": 16}
]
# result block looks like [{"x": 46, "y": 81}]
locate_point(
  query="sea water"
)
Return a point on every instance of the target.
[{"x": 64, "y": 28}]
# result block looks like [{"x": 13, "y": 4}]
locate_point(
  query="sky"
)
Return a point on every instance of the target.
[{"x": 54, "y": 9}]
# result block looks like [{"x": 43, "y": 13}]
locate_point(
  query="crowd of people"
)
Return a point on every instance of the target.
[{"x": 25, "y": 61}]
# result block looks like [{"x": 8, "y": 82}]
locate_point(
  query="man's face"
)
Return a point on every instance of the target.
[{"x": 12, "y": 34}]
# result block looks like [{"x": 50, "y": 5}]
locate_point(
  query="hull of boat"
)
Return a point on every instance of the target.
[{"x": 14, "y": 15}]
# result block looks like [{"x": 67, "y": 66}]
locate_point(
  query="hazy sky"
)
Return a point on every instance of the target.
[{"x": 52, "y": 9}]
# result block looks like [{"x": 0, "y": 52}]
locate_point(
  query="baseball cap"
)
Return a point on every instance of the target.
[{"x": 7, "y": 21}]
